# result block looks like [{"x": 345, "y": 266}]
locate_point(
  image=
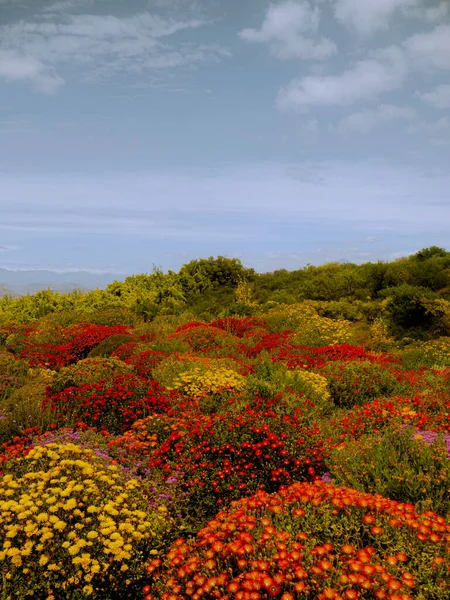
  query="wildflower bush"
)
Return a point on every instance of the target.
[
  {"x": 397, "y": 464},
  {"x": 199, "y": 383},
  {"x": 310, "y": 540},
  {"x": 434, "y": 353},
  {"x": 71, "y": 527},
  {"x": 89, "y": 370},
  {"x": 284, "y": 450},
  {"x": 23, "y": 409},
  {"x": 313, "y": 385},
  {"x": 79, "y": 338},
  {"x": 225, "y": 456},
  {"x": 112, "y": 405},
  {"x": 144, "y": 363},
  {"x": 13, "y": 374},
  {"x": 201, "y": 337},
  {"x": 311, "y": 328},
  {"x": 301, "y": 389}
]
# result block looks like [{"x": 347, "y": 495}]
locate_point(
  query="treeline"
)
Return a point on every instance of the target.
[{"x": 413, "y": 293}]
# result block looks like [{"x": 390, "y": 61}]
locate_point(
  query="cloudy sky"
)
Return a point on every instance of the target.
[{"x": 141, "y": 132}]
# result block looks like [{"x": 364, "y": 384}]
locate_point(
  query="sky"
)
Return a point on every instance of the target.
[{"x": 136, "y": 133}]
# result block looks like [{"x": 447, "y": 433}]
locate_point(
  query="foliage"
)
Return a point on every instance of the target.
[
  {"x": 107, "y": 347},
  {"x": 398, "y": 465},
  {"x": 88, "y": 370},
  {"x": 357, "y": 382}
]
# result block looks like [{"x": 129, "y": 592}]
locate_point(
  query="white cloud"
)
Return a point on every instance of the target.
[
  {"x": 14, "y": 67},
  {"x": 290, "y": 29},
  {"x": 431, "y": 49},
  {"x": 383, "y": 71},
  {"x": 439, "y": 97},
  {"x": 104, "y": 45},
  {"x": 367, "y": 17},
  {"x": 364, "y": 121}
]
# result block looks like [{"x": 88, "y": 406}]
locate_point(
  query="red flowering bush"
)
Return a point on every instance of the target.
[
  {"x": 126, "y": 351},
  {"x": 307, "y": 356},
  {"x": 106, "y": 348},
  {"x": 311, "y": 540},
  {"x": 225, "y": 456},
  {"x": 112, "y": 405},
  {"x": 144, "y": 362},
  {"x": 241, "y": 327},
  {"x": 270, "y": 343},
  {"x": 201, "y": 337},
  {"x": 80, "y": 339},
  {"x": 423, "y": 411}
]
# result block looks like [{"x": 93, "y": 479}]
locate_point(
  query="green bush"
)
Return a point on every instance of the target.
[
  {"x": 106, "y": 348},
  {"x": 397, "y": 466},
  {"x": 89, "y": 370},
  {"x": 13, "y": 374},
  {"x": 352, "y": 383},
  {"x": 23, "y": 410}
]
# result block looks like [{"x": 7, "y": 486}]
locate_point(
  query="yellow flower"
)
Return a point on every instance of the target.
[{"x": 70, "y": 504}]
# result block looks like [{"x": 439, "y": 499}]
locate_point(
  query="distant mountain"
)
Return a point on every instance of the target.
[{"x": 20, "y": 283}]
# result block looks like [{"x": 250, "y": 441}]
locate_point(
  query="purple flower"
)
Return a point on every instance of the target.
[{"x": 430, "y": 437}]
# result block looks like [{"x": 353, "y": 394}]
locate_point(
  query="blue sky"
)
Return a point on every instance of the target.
[{"x": 140, "y": 132}]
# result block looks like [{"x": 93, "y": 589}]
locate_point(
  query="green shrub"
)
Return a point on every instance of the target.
[
  {"x": 23, "y": 410},
  {"x": 106, "y": 348},
  {"x": 397, "y": 466},
  {"x": 353, "y": 383},
  {"x": 13, "y": 374},
  {"x": 89, "y": 370}
]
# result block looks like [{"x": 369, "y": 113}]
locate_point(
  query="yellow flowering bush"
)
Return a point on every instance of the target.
[
  {"x": 379, "y": 333},
  {"x": 199, "y": 383},
  {"x": 311, "y": 328},
  {"x": 433, "y": 353},
  {"x": 244, "y": 294},
  {"x": 322, "y": 331},
  {"x": 45, "y": 375},
  {"x": 437, "y": 351},
  {"x": 169, "y": 370},
  {"x": 313, "y": 385},
  {"x": 71, "y": 526}
]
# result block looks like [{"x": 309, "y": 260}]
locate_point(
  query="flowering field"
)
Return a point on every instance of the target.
[{"x": 240, "y": 458}]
